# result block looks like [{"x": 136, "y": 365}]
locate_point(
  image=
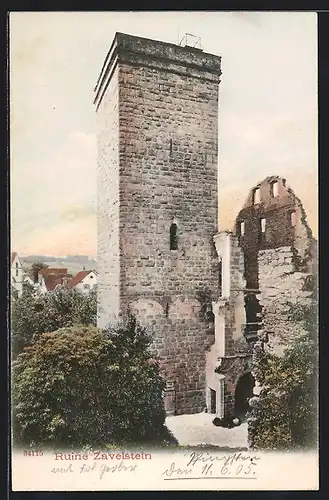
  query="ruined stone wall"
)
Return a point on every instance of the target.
[
  {"x": 279, "y": 230},
  {"x": 229, "y": 356},
  {"x": 238, "y": 313},
  {"x": 304, "y": 243},
  {"x": 280, "y": 285}
]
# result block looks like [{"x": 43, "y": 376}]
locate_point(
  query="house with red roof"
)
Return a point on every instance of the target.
[
  {"x": 50, "y": 278},
  {"x": 84, "y": 281}
]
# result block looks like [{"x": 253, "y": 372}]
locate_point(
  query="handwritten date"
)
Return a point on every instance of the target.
[{"x": 202, "y": 465}]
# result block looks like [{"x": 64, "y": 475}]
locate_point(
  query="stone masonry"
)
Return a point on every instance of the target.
[
  {"x": 281, "y": 285},
  {"x": 229, "y": 357},
  {"x": 280, "y": 256},
  {"x": 284, "y": 224},
  {"x": 157, "y": 111}
]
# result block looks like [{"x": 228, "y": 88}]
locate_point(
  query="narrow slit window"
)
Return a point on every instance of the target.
[
  {"x": 173, "y": 237},
  {"x": 242, "y": 228},
  {"x": 256, "y": 196},
  {"x": 263, "y": 225},
  {"x": 293, "y": 219},
  {"x": 274, "y": 189}
]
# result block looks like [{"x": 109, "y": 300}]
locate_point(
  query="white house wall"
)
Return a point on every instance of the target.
[
  {"x": 17, "y": 275},
  {"x": 90, "y": 280}
]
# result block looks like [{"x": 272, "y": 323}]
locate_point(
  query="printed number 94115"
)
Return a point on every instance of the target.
[{"x": 33, "y": 453}]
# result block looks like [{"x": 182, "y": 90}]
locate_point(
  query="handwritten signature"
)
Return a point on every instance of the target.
[{"x": 102, "y": 469}]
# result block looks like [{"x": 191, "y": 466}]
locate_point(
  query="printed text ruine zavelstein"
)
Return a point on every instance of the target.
[{"x": 100, "y": 455}]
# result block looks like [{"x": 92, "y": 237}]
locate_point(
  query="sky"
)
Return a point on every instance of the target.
[{"x": 267, "y": 112}]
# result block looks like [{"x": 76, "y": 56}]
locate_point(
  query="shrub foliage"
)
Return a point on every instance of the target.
[
  {"x": 33, "y": 315},
  {"x": 83, "y": 386},
  {"x": 285, "y": 414}
]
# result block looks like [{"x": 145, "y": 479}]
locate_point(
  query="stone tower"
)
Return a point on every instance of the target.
[{"x": 157, "y": 111}]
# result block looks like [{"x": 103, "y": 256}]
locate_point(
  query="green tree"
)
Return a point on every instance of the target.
[
  {"x": 84, "y": 386},
  {"x": 32, "y": 315},
  {"x": 35, "y": 269},
  {"x": 284, "y": 416}
]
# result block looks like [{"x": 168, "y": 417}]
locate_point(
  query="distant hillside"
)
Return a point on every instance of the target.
[
  {"x": 74, "y": 263},
  {"x": 51, "y": 258},
  {"x": 38, "y": 258}
]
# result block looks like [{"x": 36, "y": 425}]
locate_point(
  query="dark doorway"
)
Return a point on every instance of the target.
[
  {"x": 212, "y": 401},
  {"x": 253, "y": 316},
  {"x": 243, "y": 391},
  {"x": 253, "y": 308}
]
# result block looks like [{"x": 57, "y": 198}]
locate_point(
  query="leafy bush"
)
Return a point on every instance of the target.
[
  {"x": 35, "y": 268},
  {"x": 32, "y": 315},
  {"x": 284, "y": 415},
  {"x": 83, "y": 386}
]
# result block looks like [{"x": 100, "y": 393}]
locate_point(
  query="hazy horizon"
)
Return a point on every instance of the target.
[{"x": 267, "y": 113}]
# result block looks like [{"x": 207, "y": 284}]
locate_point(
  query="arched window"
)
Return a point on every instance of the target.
[
  {"x": 256, "y": 196},
  {"x": 173, "y": 237},
  {"x": 293, "y": 218},
  {"x": 274, "y": 189}
]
